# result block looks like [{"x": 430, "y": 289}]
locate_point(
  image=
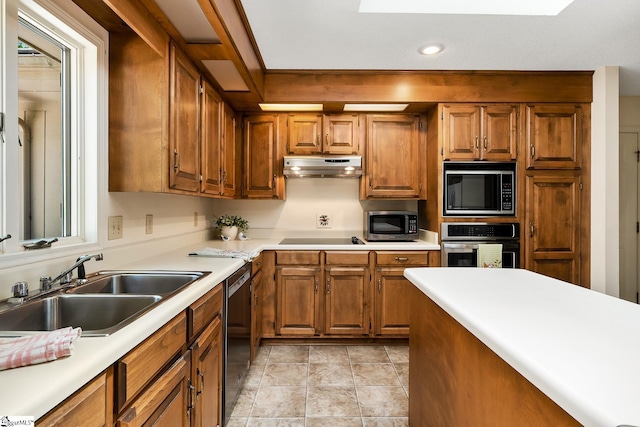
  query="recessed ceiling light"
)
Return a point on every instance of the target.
[
  {"x": 431, "y": 49},
  {"x": 465, "y": 7},
  {"x": 291, "y": 107},
  {"x": 375, "y": 107}
]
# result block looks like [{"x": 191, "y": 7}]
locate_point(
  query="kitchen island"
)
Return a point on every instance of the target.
[{"x": 512, "y": 347}]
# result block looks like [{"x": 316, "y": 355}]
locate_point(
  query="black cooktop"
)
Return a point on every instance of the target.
[{"x": 322, "y": 241}]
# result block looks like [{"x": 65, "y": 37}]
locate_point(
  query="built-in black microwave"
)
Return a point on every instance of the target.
[
  {"x": 384, "y": 226},
  {"x": 479, "y": 189}
]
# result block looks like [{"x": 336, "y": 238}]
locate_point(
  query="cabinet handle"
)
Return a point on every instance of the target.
[
  {"x": 274, "y": 181},
  {"x": 190, "y": 406},
  {"x": 477, "y": 140},
  {"x": 176, "y": 160},
  {"x": 485, "y": 143},
  {"x": 531, "y": 228},
  {"x": 401, "y": 258},
  {"x": 328, "y": 286},
  {"x": 316, "y": 285},
  {"x": 201, "y": 375},
  {"x": 380, "y": 285},
  {"x": 370, "y": 182},
  {"x": 327, "y": 139},
  {"x": 533, "y": 151}
]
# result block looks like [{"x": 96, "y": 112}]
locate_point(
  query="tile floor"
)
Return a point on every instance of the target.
[{"x": 325, "y": 385}]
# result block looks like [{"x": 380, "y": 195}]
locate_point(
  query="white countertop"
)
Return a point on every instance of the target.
[
  {"x": 23, "y": 390},
  {"x": 579, "y": 347}
]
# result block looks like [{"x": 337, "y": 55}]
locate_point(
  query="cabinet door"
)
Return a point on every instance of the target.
[
  {"x": 461, "y": 132},
  {"x": 210, "y": 137},
  {"x": 165, "y": 403},
  {"x": 256, "y": 312},
  {"x": 392, "y": 301},
  {"x": 298, "y": 300},
  {"x": 229, "y": 184},
  {"x": 304, "y": 134},
  {"x": 261, "y": 160},
  {"x": 553, "y": 221},
  {"x": 184, "y": 123},
  {"x": 393, "y": 157},
  {"x": 341, "y": 134},
  {"x": 554, "y": 136},
  {"x": 206, "y": 376},
  {"x": 346, "y": 300},
  {"x": 499, "y": 132}
]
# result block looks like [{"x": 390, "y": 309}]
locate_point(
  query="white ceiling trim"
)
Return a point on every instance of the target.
[{"x": 466, "y": 7}]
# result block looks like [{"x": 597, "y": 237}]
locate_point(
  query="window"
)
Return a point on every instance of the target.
[{"x": 53, "y": 105}]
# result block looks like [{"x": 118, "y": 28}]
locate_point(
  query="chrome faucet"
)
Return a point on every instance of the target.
[{"x": 66, "y": 276}]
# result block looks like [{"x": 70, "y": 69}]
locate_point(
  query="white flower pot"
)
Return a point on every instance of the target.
[{"x": 230, "y": 231}]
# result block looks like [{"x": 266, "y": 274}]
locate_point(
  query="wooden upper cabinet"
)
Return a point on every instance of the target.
[
  {"x": 554, "y": 136},
  {"x": 479, "y": 132},
  {"x": 341, "y": 134},
  {"x": 261, "y": 177},
  {"x": 304, "y": 134},
  {"x": 210, "y": 137},
  {"x": 395, "y": 157},
  {"x": 184, "y": 122},
  {"x": 229, "y": 151}
]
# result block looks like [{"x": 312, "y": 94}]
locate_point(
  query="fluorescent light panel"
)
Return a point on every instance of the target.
[
  {"x": 466, "y": 7},
  {"x": 189, "y": 20},
  {"x": 375, "y": 107},
  {"x": 291, "y": 107}
]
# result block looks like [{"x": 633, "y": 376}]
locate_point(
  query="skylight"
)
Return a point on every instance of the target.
[{"x": 466, "y": 7}]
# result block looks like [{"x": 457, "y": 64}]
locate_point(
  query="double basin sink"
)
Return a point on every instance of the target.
[{"x": 105, "y": 304}]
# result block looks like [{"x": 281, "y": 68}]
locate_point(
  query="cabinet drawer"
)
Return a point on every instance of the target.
[
  {"x": 347, "y": 258},
  {"x": 87, "y": 407},
  {"x": 401, "y": 258},
  {"x": 256, "y": 264},
  {"x": 203, "y": 311},
  {"x": 142, "y": 363},
  {"x": 298, "y": 257}
]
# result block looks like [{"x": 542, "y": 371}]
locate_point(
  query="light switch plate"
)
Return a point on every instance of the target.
[
  {"x": 115, "y": 228},
  {"x": 149, "y": 224},
  {"x": 323, "y": 220}
]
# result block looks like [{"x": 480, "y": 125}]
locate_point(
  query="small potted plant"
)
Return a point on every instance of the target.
[{"x": 230, "y": 225}]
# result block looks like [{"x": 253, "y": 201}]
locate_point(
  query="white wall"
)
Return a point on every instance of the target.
[
  {"x": 605, "y": 259},
  {"x": 307, "y": 197}
]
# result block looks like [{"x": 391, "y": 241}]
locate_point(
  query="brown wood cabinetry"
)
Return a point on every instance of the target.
[
  {"x": 328, "y": 134},
  {"x": 206, "y": 376},
  {"x": 262, "y": 178},
  {"x": 210, "y": 137},
  {"x": 347, "y": 287},
  {"x": 229, "y": 153},
  {"x": 256, "y": 305},
  {"x": 395, "y": 164},
  {"x": 91, "y": 406},
  {"x": 479, "y": 132},
  {"x": 392, "y": 290},
  {"x": 554, "y": 136}
]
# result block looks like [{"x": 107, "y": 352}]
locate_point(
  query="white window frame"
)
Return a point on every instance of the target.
[{"x": 89, "y": 126}]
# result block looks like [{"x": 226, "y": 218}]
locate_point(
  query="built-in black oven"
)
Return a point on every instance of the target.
[
  {"x": 477, "y": 189},
  {"x": 461, "y": 242}
]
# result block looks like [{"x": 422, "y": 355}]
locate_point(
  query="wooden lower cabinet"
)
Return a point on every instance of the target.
[
  {"x": 298, "y": 300},
  {"x": 346, "y": 296},
  {"x": 91, "y": 406},
  {"x": 256, "y": 313},
  {"x": 206, "y": 376}
]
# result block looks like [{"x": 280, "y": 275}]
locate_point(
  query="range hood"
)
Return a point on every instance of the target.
[{"x": 322, "y": 166}]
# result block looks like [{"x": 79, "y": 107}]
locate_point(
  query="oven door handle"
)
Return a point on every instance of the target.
[{"x": 460, "y": 247}]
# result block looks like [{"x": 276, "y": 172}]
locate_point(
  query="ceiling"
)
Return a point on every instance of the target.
[{"x": 333, "y": 35}]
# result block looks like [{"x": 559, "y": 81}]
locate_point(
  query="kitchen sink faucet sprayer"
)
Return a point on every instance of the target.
[{"x": 66, "y": 276}]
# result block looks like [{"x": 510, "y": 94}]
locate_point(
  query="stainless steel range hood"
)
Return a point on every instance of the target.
[{"x": 322, "y": 166}]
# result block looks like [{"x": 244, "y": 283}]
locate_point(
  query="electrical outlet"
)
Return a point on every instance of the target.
[
  {"x": 149, "y": 224},
  {"x": 323, "y": 220},
  {"x": 195, "y": 219},
  {"x": 115, "y": 227}
]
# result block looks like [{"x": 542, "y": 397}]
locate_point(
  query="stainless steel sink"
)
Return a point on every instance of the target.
[
  {"x": 138, "y": 282},
  {"x": 96, "y": 314}
]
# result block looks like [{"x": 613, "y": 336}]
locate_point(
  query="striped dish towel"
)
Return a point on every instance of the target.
[
  {"x": 490, "y": 255},
  {"x": 40, "y": 348}
]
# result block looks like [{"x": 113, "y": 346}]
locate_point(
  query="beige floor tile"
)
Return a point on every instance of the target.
[
  {"x": 334, "y": 422},
  {"x": 332, "y": 402},
  {"x": 326, "y": 374},
  {"x": 385, "y": 422},
  {"x": 245, "y": 402},
  {"x": 237, "y": 422},
  {"x": 328, "y": 354},
  {"x": 280, "y": 402},
  {"x": 402, "y": 369},
  {"x": 254, "y": 376},
  {"x": 382, "y": 401},
  {"x": 283, "y": 374},
  {"x": 262, "y": 355},
  {"x": 367, "y": 354},
  {"x": 289, "y": 354},
  {"x": 398, "y": 353},
  {"x": 374, "y": 374},
  {"x": 276, "y": 422}
]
